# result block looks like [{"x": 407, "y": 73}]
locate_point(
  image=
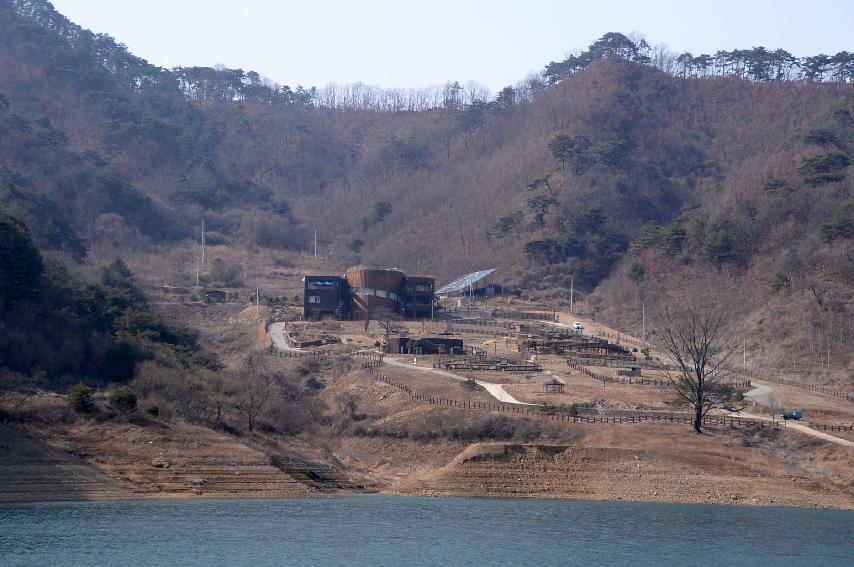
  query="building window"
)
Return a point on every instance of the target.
[
  {"x": 422, "y": 288},
  {"x": 393, "y": 296},
  {"x": 368, "y": 291},
  {"x": 382, "y": 293},
  {"x": 314, "y": 299}
]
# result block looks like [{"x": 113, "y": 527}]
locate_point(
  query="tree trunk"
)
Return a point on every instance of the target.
[{"x": 698, "y": 418}]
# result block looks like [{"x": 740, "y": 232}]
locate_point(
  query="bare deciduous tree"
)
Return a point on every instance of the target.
[
  {"x": 219, "y": 391},
  {"x": 252, "y": 398},
  {"x": 387, "y": 319},
  {"x": 695, "y": 337},
  {"x": 253, "y": 395},
  {"x": 347, "y": 403}
]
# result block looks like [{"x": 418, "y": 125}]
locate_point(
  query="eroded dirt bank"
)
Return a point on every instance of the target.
[
  {"x": 497, "y": 470},
  {"x": 97, "y": 461},
  {"x": 92, "y": 461}
]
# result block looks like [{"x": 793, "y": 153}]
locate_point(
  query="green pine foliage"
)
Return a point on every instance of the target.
[{"x": 66, "y": 329}]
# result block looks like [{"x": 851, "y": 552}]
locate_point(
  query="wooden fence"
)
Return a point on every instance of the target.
[
  {"x": 351, "y": 353},
  {"x": 524, "y": 315},
  {"x": 273, "y": 351},
  {"x": 830, "y": 427},
  {"x": 620, "y": 338},
  {"x": 535, "y": 412},
  {"x": 483, "y": 362},
  {"x": 482, "y": 323},
  {"x": 640, "y": 381},
  {"x": 371, "y": 361},
  {"x": 835, "y": 392},
  {"x": 486, "y": 332}
]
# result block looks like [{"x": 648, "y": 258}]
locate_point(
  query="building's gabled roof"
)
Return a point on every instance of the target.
[{"x": 463, "y": 283}]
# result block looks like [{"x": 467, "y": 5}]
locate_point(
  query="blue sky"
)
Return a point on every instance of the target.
[{"x": 411, "y": 44}]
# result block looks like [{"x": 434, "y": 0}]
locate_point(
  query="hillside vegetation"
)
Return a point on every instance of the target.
[
  {"x": 624, "y": 168},
  {"x": 56, "y": 330}
]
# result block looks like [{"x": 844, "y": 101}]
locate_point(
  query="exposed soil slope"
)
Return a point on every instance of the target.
[
  {"x": 91, "y": 460},
  {"x": 615, "y": 473},
  {"x": 30, "y": 469}
]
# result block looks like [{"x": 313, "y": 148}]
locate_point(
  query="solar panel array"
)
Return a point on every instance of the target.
[{"x": 463, "y": 283}]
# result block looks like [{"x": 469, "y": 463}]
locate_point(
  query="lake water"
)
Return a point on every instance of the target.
[{"x": 384, "y": 530}]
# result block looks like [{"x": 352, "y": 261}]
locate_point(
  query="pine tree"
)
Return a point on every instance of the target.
[{"x": 21, "y": 265}]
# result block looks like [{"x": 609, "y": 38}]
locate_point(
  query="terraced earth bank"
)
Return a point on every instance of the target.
[
  {"x": 491, "y": 470},
  {"x": 116, "y": 461}
]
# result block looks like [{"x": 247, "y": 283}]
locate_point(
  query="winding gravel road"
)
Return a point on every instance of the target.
[
  {"x": 279, "y": 340},
  {"x": 761, "y": 393},
  {"x": 495, "y": 390}
]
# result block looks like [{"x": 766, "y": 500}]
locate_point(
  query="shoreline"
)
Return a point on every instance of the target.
[{"x": 847, "y": 507}]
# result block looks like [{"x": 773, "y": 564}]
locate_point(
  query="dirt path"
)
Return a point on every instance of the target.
[
  {"x": 278, "y": 338},
  {"x": 495, "y": 390},
  {"x": 799, "y": 427},
  {"x": 762, "y": 393},
  {"x": 820, "y": 434}
]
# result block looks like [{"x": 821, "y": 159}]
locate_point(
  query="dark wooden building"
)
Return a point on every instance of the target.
[
  {"x": 374, "y": 290},
  {"x": 417, "y": 293},
  {"x": 325, "y": 296},
  {"x": 426, "y": 345},
  {"x": 553, "y": 387},
  {"x": 215, "y": 296},
  {"x": 366, "y": 293}
]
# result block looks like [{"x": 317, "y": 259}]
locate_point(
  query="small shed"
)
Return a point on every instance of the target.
[
  {"x": 215, "y": 296},
  {"x": 553, "y": 387}
]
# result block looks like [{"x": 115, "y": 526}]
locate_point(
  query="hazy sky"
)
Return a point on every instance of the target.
[{"x": 408, "y": 44}]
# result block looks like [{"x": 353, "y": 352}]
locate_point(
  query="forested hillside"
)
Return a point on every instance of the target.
[
  {"x": 56, "y": 330},
  {"x": 624, "y": 167}
]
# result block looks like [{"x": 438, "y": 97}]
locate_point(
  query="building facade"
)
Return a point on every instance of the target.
[
  {"x": 325, "y": 296},
  {"x": 418, "y": 294},
  {"x": 368, "y": 293}
]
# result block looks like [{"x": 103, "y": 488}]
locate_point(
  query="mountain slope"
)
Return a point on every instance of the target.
[{"x": 620, "y": 177}]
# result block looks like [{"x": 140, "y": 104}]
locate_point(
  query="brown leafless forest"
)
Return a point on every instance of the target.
[{"x": 630, "y": 174}]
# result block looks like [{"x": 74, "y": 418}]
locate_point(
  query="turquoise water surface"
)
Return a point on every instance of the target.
[{"x": 384, "y": 530}]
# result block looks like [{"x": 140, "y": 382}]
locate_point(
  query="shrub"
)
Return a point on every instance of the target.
[
  {"x": 637, "y": 272},
  {"x": 119, "y": 362},
  {"x": 823, "y": 138},
  {"x": 153, "y": 410},
  {"x": 122, "y": 400},
  {"x": 825, "y": 168},
  {"x": 80, "y": 398}
]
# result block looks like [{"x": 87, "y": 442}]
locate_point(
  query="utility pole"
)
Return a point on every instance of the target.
[
  {"x": 203, "y": 243},
  {"x": 197, "y": 272},
  {"x": 571, "y": 293},
  {"x": 257, "y": 298},
  {"x": 315, "y": 244},
  {"x": 643, "y": 322}
]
